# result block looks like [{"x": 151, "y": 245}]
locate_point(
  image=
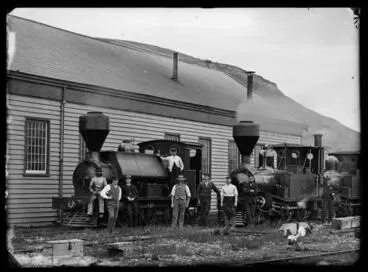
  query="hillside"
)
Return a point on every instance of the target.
[{"x": 336, "y": 136}]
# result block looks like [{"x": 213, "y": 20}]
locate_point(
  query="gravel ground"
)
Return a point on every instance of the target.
[{"x": 188, "y": 247}]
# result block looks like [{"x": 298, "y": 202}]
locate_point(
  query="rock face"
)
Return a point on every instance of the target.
[{"x": 339, "y": 137}]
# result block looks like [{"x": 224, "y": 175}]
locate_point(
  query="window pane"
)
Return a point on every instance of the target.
[
  {"x": 172, "y": 137},
  {"x": 83, "y": 149},
  {"x": 233, "y": 156},
  {"x": 36, "y": 146},
  {"x": 206, "y": 155}
]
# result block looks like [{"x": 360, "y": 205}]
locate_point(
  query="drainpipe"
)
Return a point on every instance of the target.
[{"x": 61, "y": 160}]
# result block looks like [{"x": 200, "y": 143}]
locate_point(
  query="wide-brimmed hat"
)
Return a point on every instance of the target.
[
  {"x": 181, "y": 177},
  {"x": 114, "y": 177},
  {"x": 128, "y": 176}
]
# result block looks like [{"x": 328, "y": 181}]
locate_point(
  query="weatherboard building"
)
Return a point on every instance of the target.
[{"x": 56, "y": 75}]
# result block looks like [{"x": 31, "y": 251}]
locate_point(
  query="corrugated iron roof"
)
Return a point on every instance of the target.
[{"x": 47, "y": 51}]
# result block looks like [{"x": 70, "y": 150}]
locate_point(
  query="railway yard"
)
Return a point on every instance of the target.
[{"x": 163, "y": 246}]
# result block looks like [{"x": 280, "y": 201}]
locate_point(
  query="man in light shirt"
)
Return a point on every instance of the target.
[
  {"x": 180, "y": 198},
  {"x": 98, "y": 182},
  {"x": 229, "y": 201},
  {"x": 175, "y": 166},
  {"x": 112, "y": 192}
]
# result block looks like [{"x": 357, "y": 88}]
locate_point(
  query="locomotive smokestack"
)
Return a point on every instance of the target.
[
  {"x": 250, "y": 85},
  {"x": 175, "y": 66},
  {"x": 246, "y": 135},
  {"x": 94, "y": 128},
  {"x": 318, "y": 139}
]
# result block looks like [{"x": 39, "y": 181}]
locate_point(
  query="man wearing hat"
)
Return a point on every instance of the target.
[
  {"x": 180, "y": 197},
  {"x": 130, "y": 194},
  {"x": 96, "y": 185},
  {"x": 175, "y": 166},
  {"x": 204, "y": 197},
  {"x": 112, "y": 192}
]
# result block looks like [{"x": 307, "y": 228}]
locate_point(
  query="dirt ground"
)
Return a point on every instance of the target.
[{"x": 189, "y": 246}]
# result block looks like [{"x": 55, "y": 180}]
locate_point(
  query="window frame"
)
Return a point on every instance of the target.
[
  {"x": 172, "y": 135},
  {"x": 210, "y": 155},
  {"x": 81, "y": 144},
  {"x": 47, "y": 170},
  {"x": 238, "y": 162}
]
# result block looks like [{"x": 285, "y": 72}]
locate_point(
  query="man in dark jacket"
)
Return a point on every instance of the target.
[
  {"x": 130, "y": 194},
  {"x": 204, "y": 198},
  {"x": 248, "y": 199}
]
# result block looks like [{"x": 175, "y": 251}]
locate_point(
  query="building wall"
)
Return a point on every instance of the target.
[{"x": 30, "y": 197}]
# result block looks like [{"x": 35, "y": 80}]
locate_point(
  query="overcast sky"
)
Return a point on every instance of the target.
[{"x": 312, "y": 55}]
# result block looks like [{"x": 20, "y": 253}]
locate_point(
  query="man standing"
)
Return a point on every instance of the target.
[
  {"x": 229, "y": 200},
  {"x": 204, "y": 198},
  {"x": 98, "y": 182},
  {"x": 130, "y": 194},
  {"x": 175, "y": 166},
  {"x": 180, "y": 198},
  {"x": 248, "y": 199},
  {"x": 112, "y": 192}
]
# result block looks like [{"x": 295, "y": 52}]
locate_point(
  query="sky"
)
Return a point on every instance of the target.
[{"x": 311, "y": 54}]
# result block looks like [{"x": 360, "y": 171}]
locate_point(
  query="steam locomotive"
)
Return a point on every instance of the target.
[
  {"x": 298, "y": 187},
  {"x": 149, "y": 173},
  {"x": 343, "y": 178}
]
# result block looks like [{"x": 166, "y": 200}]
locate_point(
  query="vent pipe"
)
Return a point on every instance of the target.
[
  {"x": 250, "y": 85},
  {"x": 175, "y": 66}
]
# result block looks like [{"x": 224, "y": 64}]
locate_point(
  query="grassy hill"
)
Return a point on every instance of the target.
[{"x": 336, "y": 136}]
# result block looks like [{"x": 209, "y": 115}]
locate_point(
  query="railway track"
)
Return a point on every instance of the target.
[
  {"x": 305, "y": 257},
  {"x": 297, "y": 259}
]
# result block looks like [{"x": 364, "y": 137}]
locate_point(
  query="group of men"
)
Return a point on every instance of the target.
[
  {"x": 113, "y": 193},
  {"x": 227, "y": 198}
]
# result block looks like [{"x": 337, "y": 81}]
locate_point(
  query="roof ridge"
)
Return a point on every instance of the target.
[
  {"x": 113, "y": 42},
  {"x": 78, "y": 34},
  {"x": 149, "y": 51},
  {"x": 50, "y": 26}
]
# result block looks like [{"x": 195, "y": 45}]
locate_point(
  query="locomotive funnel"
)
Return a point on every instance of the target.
[
  {"x": 94, "y": 128},
  {"x": 246, "y": 135}
]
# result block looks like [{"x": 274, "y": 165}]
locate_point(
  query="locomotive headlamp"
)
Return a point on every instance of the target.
[
  {"x": 294, "y": 155},
  {"x": 310, "y": 156}
]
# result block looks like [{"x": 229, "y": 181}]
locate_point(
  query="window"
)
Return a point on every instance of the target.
[
  {"x": 258, "y": 159},
  {"x": 83, "y": 150},
  {"x": 172, "y": 137},
  {"x": 206, "y": 155},
  {"x": 233, "y": 156},
  {"x": 36, "y": 146}
]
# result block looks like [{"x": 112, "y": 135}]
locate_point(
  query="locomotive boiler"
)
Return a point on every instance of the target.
[
  {"x": 148, "y": 171},
  {"x": 291, "y": 190}
]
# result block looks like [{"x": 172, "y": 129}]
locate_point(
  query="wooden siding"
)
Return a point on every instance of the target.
[
  {"x": 35, "y": 193},
  {"x": 29, "y": 197}
]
